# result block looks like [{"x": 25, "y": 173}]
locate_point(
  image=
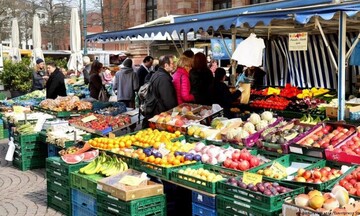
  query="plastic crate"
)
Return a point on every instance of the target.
[
  {"x": 85, "y": 183},
  {"x": 25, "y": 139},
  {"x": 252, "y": 198},
  {"x": 6, "y": 133},
  {"x": 79, "y": 210},
  {"x": 30, "y": 153},
  {"x": 55, "y": 203},
  {"x": 54, "y": 187},
  {"x": 230, "y": 207},
  {"x": 52, "y": 150},
  {"x": 199, "y": 210},
  {"x": 204, "y": 200},
  {"x": 24, "y": 165},
  {"x": 188, "y": 139},
  {"x": 198, "y": 183},
  {"x": 103, "y": 211},
  {"x": 62, "y": 181},
  {"x": 331, "y": 186},
  {"x": 143, "y": 206},
  {"x": 83, "y": 200},
  {"x": 56, "y": 164},
  {"x": 324, "y": 185},
  {"x": 286, "y": 161}
]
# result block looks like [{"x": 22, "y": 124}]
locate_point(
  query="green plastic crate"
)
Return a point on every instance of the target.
[
  {"x": 85, "y": 183},
  {"x": 42, "y": 136},
  {"x": 230, "y": 207},
  {"x": 200, "y": 184},
  {"x": 62, "y": 114},
  {"x": 58, "y": 165},
  {"x": 128, "y": 160},
  {"x": 54, "y": 188},
  {"x": 24, "y": 165},
  {"x": 28, "y": 153},
  {"x": 286, "y": 161},
  {"x": 145, "y": 206},
  {"x": 330, "y": 186},
  {"x": 6, "y": 133},
  {"x": 257, "y": 199},
  {"x": 53, "y": 177},
  {"x": 188, "y": 139},
  {"x": 324, "y": 185},
  {"x": 156, "y": 170},
  {"x": 26, "y": 138},
  {"x": 61, "y": 206}
]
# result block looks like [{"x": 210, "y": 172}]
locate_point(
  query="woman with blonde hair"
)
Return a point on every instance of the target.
[{"x": 181, "y": 80}]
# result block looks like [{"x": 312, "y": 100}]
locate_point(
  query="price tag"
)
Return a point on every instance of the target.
[
  {"x": 131, "y": 180},
  {"x": 252, "y": 178},
  {"x": 279, "y": 169},
  {"x": 296, "y": 150},
  {"x": 39, "y": 124},
  {"x": 89, "y": 118},
  {"x": 18, "y": 109},
  {"x": 111, "y": 135}
]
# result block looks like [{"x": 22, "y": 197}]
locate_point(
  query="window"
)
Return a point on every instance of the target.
[
  {"x": 151, "y": 10},
  {"x": 259, "y": 1},
  {"x": 221, "y": 4}
]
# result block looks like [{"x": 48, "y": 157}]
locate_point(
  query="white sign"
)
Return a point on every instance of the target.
[{"x": 298, "y": 41}]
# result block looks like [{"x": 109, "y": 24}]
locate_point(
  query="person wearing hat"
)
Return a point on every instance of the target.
[
  {"x": 39, "y": 76},
  {"x": 126, "y": 83}
]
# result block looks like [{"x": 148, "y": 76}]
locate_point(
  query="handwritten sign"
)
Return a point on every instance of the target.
[
  {"x": 111, "y": 135},
  {"x": 131, "y": 180},
  {"x": 252, "y": 178},
  {"x": 278, "y": 169},
  {"x": 88, "y": 118},
  {"x": 18, "y": 109},
  {"x": 298, "y": 41}
]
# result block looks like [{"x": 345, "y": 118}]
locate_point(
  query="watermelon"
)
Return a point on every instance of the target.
[
  {"x": 72, "y": 158},
  {"x": 90, "y": 155}
]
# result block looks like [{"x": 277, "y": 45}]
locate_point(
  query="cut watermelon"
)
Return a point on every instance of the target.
[
  {"x": 72, "y": 158},
  {"x": 90, "y": 155}
]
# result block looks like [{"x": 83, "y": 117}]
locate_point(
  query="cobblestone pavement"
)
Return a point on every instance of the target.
[{"x": 22, "y": 193}]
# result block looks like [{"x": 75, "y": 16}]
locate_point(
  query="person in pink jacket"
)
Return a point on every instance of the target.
[{"x": 181, "y": 80}]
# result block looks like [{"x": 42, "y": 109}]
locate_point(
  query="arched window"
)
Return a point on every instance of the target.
[
  {"x": 221, "y": 4},
  {"x": 151, "y": 10},
  {"x": 259, "y": 1}
]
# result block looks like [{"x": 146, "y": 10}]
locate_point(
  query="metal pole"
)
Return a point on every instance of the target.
[
  {"x": 341, "y": 65},
  {"x": 85, "y": 26}
]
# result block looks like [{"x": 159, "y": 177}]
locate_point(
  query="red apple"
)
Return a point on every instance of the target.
[
  {"x": 324, "y": 172},
  {"x": 353, "y": 181},
  {"x": 317, "y": 181},
  {"x": 235, "y": 156},
  {"x": 309, "y": 180},
  {"x": 301, "y": 171},
  {"x": 324, "y": 179},
  {"x": 358, "y": 176},
  {"x": 316, "y": 174},
  {"x": 307, "y": 174}
]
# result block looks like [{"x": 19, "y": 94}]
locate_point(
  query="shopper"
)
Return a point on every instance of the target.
[
  {"x": 55, "y": 86},
  {"x": 181, "y": 80},
  {"x": 126, "y": 83},
  {"x": 86, "y": 70},
  {"x": 213, "y": 65},
  {"x": 201, "y": 80},
  {"x": 222, "y": 94},
  {"x": 39, "y": 76},
  {"x": 144, "y": 69},
  {"x": 256, "y": 75},
  {"x": 95, "y": 82}
]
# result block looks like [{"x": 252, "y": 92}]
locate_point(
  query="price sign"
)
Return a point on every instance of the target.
[
  {"x": 278, "y": 169},
  {"x": 39, "y": 124},
  {"x": 131, "y": 180},
  {"x": 252, "y": 178},
  {"x": 88, "y": 118},
  {"x": 111, "y": 135},
  {"x": 18, "y": 109}
]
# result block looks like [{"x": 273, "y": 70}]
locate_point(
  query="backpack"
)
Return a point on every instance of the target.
[{"x": 147, "y": 98}]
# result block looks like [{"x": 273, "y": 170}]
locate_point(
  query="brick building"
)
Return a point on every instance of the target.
[{"x": 122, "y": 14}]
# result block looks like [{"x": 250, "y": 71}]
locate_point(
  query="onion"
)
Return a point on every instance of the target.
[
  {"x": 212, "y": 161},
  {"x": 221, "y": 157},
  {"x": 205, "y": 158},
  {"x": 342, "y": 196},
  {"x": 302, "y": 200},
  {"x": 199, "y": 146}
]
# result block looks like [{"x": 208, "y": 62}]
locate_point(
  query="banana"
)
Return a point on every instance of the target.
[
  {"x": 91, "y": 165},
  {"x": 95, "y": 169}
]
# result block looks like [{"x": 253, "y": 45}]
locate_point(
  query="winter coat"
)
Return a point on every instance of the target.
[
  {"x": 164, "y": 90},
  {"x": 224, "y": 97},
  {"x": 37, "y": 81},
  {"x": 86, "y": 73},
  {"x": 95, "y": 85},
  {"x": 142, "y": 72},
  {"x": 55, "y": 85},
  {"x": 201, "y": 82},
  {"x": 182, "y": 86},
  {"x": 126, "y": 83}
]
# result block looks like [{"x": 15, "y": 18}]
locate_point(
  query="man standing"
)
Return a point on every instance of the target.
[
  {"x": 86, "y": 70},
  {"x": 39, "y": 77},
  {"x": 144, "y": 69},
  {"x": 55, "y": 86}
]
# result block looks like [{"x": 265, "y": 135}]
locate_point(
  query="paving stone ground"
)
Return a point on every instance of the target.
[{"x": 22, "y": 193}]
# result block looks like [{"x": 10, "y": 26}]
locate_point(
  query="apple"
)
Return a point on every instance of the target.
[
  {"x": 324, "y": 172},
  {"x": 235, "y": 156},
  {"x": 300, "y": 179},
  {"x": 301, "y": 171},
  {"x": 317, "y": 174},
  {"x": 309, "y": 141},
  {"x": 317, "y": 181},
  {"x": 307, "y": 174}
]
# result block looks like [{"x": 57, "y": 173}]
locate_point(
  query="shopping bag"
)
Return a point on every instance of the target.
[
  {"x": 103, "y": 95},
  {"x": 245, "y": 94}
]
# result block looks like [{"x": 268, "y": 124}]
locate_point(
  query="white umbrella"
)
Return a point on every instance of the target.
[
  {"x": 75, "y": 61},
  {"x": 15, "y": 52},
  {"x": 36, "y": 37}
]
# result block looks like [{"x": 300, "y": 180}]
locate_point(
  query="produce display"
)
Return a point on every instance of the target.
[
  {"x": 242, "y": 160},
  {"x": 200, "y": 173},
  {"x": 154, "y": 156},
  {"x": 105, "y": 165},
  {"x": 313, "y": 92},
  {"x": 26, "y": 128},
  {"x": 68, "y": 103},
  {"x": 317, "y": 175},
  {"x": 266, "y": 188},
  {"x": 64, "y": 134},
  {"x": 351, "y": 146},
  {"x": 273, "y": 102},
  {"x": 29, "y": 116},
  {"x": 351, "y": 182},
  {"x": 285, "y": 134},
  {"x": 101, "y": 122}
]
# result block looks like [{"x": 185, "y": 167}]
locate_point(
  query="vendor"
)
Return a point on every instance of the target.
[
  {"x": 55, "y": 86},
  {"x": 39, "y": 75},
  {"x": 221, "y": 92},
  {"x": 256, "y": 74}
]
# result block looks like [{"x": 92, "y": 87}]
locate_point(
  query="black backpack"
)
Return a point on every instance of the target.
[{"x": 148, "y": 99}]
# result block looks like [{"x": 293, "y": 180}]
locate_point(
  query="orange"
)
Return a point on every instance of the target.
[
  {"x": 177, "y": 133},
  {"x": 128, "y": 143},
  {"x": 142, "y": 156},
  {"x": 122, "y": 144},
  {"x": 163, "y": 161},
  {"x": 157, "y": 161},
  {"x": 151, "y": 159},
  {"x": 156, "y": 144},
  {"x": 176, "y": 162},
  {"x": 146, "y": 159}
]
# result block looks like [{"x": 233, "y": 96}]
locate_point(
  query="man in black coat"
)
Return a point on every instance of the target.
[
  {"x": 144, "y": 69},
  {"x": 55, "y": 86}
]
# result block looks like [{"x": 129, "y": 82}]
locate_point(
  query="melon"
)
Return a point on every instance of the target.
[
  {"x": 90, "y": 155},
  {"x": 72, "y": 158}
]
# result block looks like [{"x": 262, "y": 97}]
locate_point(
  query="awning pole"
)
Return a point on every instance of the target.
[
  {"x": 233, "y": 47},
  {"x": 352, "y": 47},
  {"x": 317, "y": 23},
  {"x": 177, "y": 50},
  {"x": 226, "y": 48},
  {"x": 180, "y": 41},
  {"x": 341, "y": 63},
  {"x": 185, "y": 41}
]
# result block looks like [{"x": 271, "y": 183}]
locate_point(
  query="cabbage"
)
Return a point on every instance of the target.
[
  {"x": 255, "y": 118},
  {"x": 261, "y": 125},
  {"x": 267, "y": 115},
  {"x": 248, "y": 126}
]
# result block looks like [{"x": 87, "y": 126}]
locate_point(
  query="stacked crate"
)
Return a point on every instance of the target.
[
  {"x": 203, "y": 205},
  {"x": 2, "y": 130},
  {"x": 58, "y": 184},
  {"x": 109, "y": 205},
  {"x": 84, "y": 193},
  {"x": 29, "y": 153}
]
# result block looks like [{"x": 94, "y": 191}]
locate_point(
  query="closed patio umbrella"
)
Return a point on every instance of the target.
[
  {"x": 75, "y": 62},
  {"x": 15, "y": 51},
  {"x": 36, "y": 37}
]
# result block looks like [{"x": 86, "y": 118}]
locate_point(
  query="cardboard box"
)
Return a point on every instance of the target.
[
  {"x": 332, "y": 112},
  {"x": 112, "y": 186}
]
